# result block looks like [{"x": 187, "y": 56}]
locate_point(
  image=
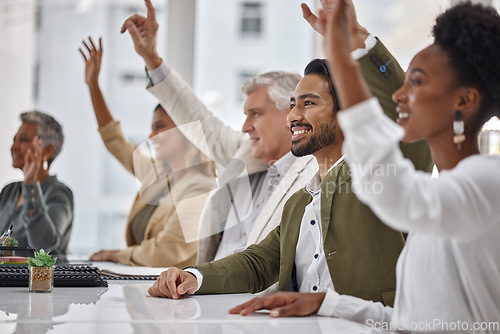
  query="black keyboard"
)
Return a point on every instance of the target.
[{"x": 64, "y": 276}]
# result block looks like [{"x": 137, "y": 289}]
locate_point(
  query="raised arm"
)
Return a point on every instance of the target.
[
  {"x": 177, "y": 97},
  {"x": 377, "y": 73},
  {"x": 424, "y": 205},
  {"x": 348, "y": 80},
  {"x": 92, "y": 69},
  {"x": 357, "y": 32},
  {"x": 144, "y": 31},
  {"x": 109, "y": 129}
]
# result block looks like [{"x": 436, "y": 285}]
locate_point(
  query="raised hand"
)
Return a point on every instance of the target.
[
  {"x": 312, "y": 19},
  {"x": 337, "y": 38},
  {"x": 93, "y": 61},
  {"x": 348, "y": 80},
  {"x": 33, "y": 161},
  {"x": 357, "y": 32},
  {"x": 174, "y": 283},
  {"x": 283, "y": 304},
  {"x": 144, "y": 31}
]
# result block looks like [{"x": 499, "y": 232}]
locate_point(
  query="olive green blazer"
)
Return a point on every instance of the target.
[{"x": 361, "y": 252}]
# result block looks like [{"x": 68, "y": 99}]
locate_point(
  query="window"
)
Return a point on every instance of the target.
[
  {"x": 251, "y": 19},
  {"x": 489, "y": 137},
  {"x": 242, "y": 77}
]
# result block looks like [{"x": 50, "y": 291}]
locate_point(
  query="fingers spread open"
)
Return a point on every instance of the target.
[
  {"x": 83, "y": 54},
  {"x": 92, "y": 43},
  {"x": 88, "y": 48}
]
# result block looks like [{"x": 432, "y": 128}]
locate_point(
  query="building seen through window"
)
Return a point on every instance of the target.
[
  {"x": 251, "y": 19},
  {"x": 489, "y": 138}
]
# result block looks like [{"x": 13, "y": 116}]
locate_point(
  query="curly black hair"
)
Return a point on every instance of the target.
[{"x": 470, "y": 36}]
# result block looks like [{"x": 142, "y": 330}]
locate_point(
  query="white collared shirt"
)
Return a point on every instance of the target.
[
  {"x": 312, "y": 270},
  {"x": 235, "y": 238}
]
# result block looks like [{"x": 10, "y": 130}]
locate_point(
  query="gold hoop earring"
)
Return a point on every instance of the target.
[{"x": 458, "y": 129}]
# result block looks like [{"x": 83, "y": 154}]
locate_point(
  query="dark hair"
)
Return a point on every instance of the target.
[
  {"x": 159, "y": 106},
  {"x": 470, "y": 36},
  {"x": 48, "y": 130},
  {"x": 194, "y": 156},
  {"x": 320, "y": 67}
]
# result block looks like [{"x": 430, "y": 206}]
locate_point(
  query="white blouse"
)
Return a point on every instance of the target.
[{"x": 448, "y": 274}]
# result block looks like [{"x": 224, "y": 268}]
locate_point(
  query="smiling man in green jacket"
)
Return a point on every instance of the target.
[{"x": 327, "y": 238}]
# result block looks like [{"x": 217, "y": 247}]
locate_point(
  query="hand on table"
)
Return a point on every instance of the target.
[
  {"x": 174, "y": 283},
  {"x": 283, "y": 304},
  {"x": 105, "y": 255}
]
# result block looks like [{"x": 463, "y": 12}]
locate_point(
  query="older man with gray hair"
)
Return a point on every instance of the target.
[{"x": 263, "y": 173}]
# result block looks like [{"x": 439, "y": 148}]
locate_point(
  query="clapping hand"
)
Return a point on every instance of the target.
[{"x": 33, "y": 161}]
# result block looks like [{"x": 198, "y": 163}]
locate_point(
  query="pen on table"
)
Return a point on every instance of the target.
[{"x": 4, "y": 240}]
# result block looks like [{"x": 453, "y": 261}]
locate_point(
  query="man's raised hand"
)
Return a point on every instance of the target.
[{"x": 144, "y": 31}]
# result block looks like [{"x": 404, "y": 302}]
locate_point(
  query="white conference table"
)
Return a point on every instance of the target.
[{"x": 125, "y": 307}]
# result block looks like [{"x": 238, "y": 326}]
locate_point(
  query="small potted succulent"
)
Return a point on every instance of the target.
[
  {"x": 13, "y": 242},
  {"x": 41, "y": 268}
]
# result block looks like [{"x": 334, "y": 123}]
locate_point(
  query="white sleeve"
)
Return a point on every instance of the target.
[
  {"x": 370, "y": 42},
  {"x": 158, "y": 74},
  {"x": 197, "y": 273},
  {"x": 354, "y": 309},
  {"x": 183, "y": 106},
  {"x": 461, "y": 203}
]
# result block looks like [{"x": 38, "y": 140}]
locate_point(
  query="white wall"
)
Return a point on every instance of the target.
[
  {"x": 42, "y": 68},
  {"x": 16, "y": 65},
  {"x": 222, "y": 53}
]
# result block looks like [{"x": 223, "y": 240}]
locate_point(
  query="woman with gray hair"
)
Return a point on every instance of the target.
[{"x": 40, "y": 207}]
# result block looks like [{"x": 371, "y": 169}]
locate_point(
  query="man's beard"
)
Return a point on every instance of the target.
[{"x": 323, "y": 137}]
